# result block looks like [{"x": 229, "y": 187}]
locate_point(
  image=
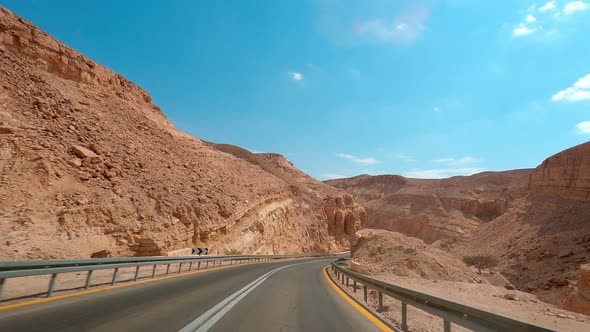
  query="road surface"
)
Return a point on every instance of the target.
[{"x": 280, "y": 296}]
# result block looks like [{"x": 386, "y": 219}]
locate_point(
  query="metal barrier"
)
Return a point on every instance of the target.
[
  {"x": 450, "y": 312},
  {"x": 13, "y": 269}
]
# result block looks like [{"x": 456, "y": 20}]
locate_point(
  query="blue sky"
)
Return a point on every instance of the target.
[{"x": 419, "y": 88}]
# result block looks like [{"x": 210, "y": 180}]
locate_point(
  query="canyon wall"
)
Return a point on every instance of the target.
[
  {"x": 435, "y": 210},
  {"x": 89, "y": 166}
]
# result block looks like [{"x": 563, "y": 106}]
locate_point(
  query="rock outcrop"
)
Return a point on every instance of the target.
[
  {"x": 435, "y": 210},
  {"x": 565, "y": 175},
  {"x": 578, "y": 296},
  {"x": 88, "y": 164}
]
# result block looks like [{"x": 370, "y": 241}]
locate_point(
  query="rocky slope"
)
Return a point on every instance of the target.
[
  {"x": 545, "y": 238},
  {"x": 435, "y": 210},
  {"x": 88, "y": 164},
  {"x": 383, "y": 252}
]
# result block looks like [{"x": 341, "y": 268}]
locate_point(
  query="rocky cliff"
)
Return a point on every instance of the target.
[
  {"x": 88, "y": 164},
  {"x": 435, "y": 210},
  {"x": 565, "y": 175}
]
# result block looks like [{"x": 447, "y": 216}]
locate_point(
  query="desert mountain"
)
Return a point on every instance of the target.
[
  {"x": 536, "y": 222},
  {"x": 432, "y": 210},
  {"x": 89, "y": 164},
  {"x": 545, "y": 238}
]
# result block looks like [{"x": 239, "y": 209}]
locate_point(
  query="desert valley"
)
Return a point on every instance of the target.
[{"x": 90, "y": 167}]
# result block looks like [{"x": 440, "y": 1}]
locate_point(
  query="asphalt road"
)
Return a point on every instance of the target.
[{"x": 256, "y": 297}]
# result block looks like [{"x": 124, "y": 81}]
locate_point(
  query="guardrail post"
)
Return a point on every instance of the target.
[
  {"x": 88, "y": 277},
  {"x": 190, "y": 267},
  {"x": 136, "y": 273},
  {"x": 346, "y": 281},
  {"x": 206, "y": 264},
  {"x": 198, "y": 265},
  {"x": 354, "y": 285},
  {"x": 404, "y": 316},
  {"x": 447, "y": 326},
  {"x": 179, "y": 267},
  {"x": 154, "y": 271},
  {"x": 167, "y": 269},
  {"x": 51, "y": 284},
  {"x": 2, "y": 280},
  {"x": 365, "y": 292},
  {"x": 380, "y": 308},
  {"x": 115, "y": 276}
]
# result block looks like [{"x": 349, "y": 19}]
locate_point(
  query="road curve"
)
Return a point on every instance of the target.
[{"x": 254, "y": 297}]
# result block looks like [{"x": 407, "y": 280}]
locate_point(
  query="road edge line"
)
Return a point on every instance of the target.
[{"x": 358, "y": 306}]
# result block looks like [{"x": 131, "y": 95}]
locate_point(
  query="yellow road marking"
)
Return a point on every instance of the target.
[
  {"x": 53, "y": 298},
  {"x": 360, "y": 309}
]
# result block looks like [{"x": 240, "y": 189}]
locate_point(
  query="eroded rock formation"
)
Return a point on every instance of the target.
[{"x": 435, "y": 210}]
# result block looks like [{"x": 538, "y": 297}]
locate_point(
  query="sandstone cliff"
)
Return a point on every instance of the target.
[
  {"x": 566, "y": 175},
  {"x": 89, "y": 165},
  {"x": 435, "y": 210}
]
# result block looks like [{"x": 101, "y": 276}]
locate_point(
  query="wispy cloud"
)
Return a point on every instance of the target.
[
  {"x": 577, "y": 92},
  {"x": 522, "y": 30},
  {"x": 549, "y": 6},
  {"x": 441, "y": 173},
  {"x": 406, "y": 27},
  {"x": 584, "y": 127},
  {"x": 357, "y": 160},
  {"x": 331, "y": 176},
  {"x": 575, "y": 6},
  {"x": 405, "y": 157},
  {"x": 296, "y": 76},
  {"x": 457, "y": 161}
]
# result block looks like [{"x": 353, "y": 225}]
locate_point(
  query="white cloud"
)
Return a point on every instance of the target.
[
  {"x": 522, "y": 30},
  {"x": 356, "y": 160},
  {"x": 548, "y": 6},
  {"x": 578, "y": 92},
  {"x": 530, "y": 18},
  {"x": 457, "y": 161},
  {"x": 296, "y": 76},
  {"x": 405, "y": 157},
  {"x": 331, "y": 176},
  {"x": 441, "y": 173},
  {"x": 584, "y": 127},
  {"x": 575, "y": 6}
]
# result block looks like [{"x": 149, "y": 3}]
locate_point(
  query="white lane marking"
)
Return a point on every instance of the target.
[{"x": 204, "y": 322}]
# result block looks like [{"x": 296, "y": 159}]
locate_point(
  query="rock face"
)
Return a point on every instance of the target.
[
  {"x": 435, "y": 210},
  {"x": 566, "y": 175},
  {"x": 381, "y": 251},
  {"x": 89, "y": 165}
]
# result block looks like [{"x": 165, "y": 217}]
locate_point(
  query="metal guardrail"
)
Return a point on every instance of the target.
[
  {"x": 451, "y": 312},
  {"x": 14, "y": 269}
]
